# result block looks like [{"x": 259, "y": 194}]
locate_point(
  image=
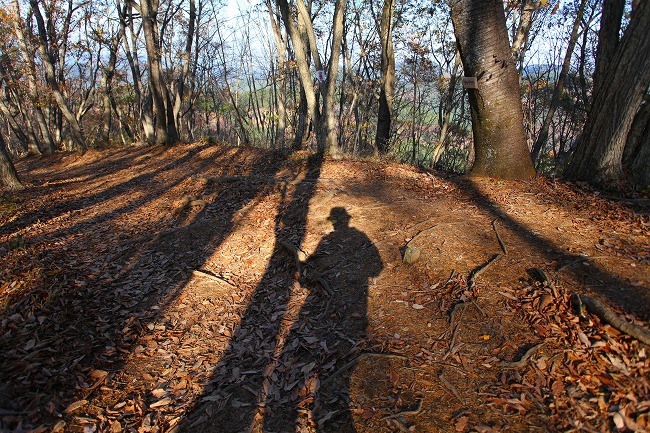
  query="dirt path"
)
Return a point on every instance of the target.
[{"x": 212, "y": 289}]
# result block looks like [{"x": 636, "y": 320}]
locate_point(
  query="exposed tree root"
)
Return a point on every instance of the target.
[
  {"x": 496, "y": 231},
  {"x": 594, "y": 306},
  {"x": 478, "y": 271}
]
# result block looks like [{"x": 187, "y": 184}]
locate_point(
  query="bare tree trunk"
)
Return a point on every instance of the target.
[
  {"x": 46, "y": 144},
  {"x": 279, "y": 78},
  {"x": 559, "y": 84},
  {"x": 599, "y": 156},
  {"x": 185, "y": 70},
  {"x": 387, "y": 84},
  {"x": 448, "y": 106},
  {"x": 300, "y": 48},
  {"x": 8, "y": 176},
  {"x": 51, "y": 78},
  {"x": 608, "y": 38},
  {"x": 165, "y": 127},
  {"x": 328, "y": 135},
  {"x": 497, "y": 115},
  {"x": 304, "y": 42},
  {"x": 520, "y": 41},
  {"x": 15, "y": 127}
]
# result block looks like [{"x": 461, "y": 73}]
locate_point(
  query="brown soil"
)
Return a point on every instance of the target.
[{"x": 204, "y": 288}]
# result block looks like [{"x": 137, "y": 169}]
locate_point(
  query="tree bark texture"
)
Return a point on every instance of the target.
[
  {"x": 497, "y": 115},
  {"x": 608, "y": 38},
  {"x": 165, "y": 127},
  {"x": 636, "y": 157},
  {"x": 8, "y": 176},
  {"x": 599, "y": 156},
  {"x": 387, "y": 89}
]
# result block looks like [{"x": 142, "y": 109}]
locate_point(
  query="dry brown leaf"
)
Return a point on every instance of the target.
[
  {"x": 461, "y": 423},
  {"x": 59, "y": 426},
  {"x": 164, "y": 402},
  {"x": 76, "y": 405}
]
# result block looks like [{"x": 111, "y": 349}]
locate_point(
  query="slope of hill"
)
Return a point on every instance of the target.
[{"x": 207, "y": 288}]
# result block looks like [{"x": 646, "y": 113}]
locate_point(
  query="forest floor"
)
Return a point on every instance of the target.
[{"x": 205, "y": 288}]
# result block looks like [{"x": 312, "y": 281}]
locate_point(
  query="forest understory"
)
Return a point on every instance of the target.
[{"x": 206, "y": 288}]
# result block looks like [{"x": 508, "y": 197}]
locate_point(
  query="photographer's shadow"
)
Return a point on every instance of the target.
[{"x": 311, "y": 387}]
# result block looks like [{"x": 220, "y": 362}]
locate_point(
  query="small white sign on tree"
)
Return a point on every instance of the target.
[{"x": 320, "y": 75}]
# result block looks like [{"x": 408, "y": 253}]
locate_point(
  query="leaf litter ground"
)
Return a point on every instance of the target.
[{"x": 205, "y": 288}]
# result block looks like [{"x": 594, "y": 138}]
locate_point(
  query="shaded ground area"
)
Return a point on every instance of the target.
[{"x": 212, "y": 289}]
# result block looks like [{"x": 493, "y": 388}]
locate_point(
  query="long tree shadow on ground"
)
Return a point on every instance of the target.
[
  {"x": 617, "y": 292},
  {"x": 94, "y": 321},
  {"x": 329, "y": 331},
  {"x": 240, "y": 381}
]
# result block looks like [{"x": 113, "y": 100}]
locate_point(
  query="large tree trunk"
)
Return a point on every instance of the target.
[
  {"x": 608, "y": 38},
  {"x": 8, "y": 176},
  {"x": 387, "y": 89},
  {"x": 497, "y": 115},
  {"x": 599, "y": 156},
  {"x": 328, "y": 136},
  {"x": 165, "y": 127},
  {"x": 636, "y": 157}
]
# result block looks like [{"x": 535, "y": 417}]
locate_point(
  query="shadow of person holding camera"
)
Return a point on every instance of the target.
[{"x": 312, "y": 383}]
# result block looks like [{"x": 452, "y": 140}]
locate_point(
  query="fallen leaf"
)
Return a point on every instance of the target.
[
  {"x": 58, "y": 427},
  {"x": 76, "y": 405},
  {"x": 160, "y": 403},
  {"x": 461, "y": 423}
]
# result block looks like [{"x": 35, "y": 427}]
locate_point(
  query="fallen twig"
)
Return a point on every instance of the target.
[
  {"x": 451, "y": 277},
  {"x": 503, "y": 246},
  {"x": 524, "y": 359},
  {"x": 216, "y": 278},
  {"x": 450, "y": 387},
  {"x": 478, "y": 271},
  {"x": 415, "y": 411},
  {"x": 594, "y": 306}
]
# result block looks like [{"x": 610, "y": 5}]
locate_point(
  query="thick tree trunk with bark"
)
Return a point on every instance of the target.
[
  {"x": 608, "y": 38},
  {"x": 328, "y": 138},
  {"x": 165, "y": 127},
  {"x": 497, "y": 115},
  {"x": 8, "y": 176},
  {"x": 636, "y": 156},
  {"x": 387, "y": 89},
  {"x": 599, "y": 156}
]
